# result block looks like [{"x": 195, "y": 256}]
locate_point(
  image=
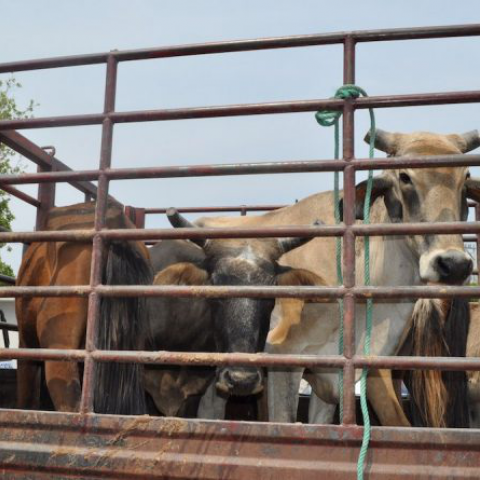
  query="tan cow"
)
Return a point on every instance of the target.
[{"x": 406, "y": 195}]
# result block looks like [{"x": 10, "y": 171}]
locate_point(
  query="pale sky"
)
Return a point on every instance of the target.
[{"x": 48, "y": 28}]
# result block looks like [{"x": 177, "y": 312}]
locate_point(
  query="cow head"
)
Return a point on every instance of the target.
[
  {"x": 428, "y": 195},
  {"x": 240, "y": 324}
]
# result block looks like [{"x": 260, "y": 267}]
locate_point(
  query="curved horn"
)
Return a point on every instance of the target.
[
  {"x": 384, "y": 141},
  {"x": 290, "y": 243},
  {"x": 179, "y": 221},
  {"x": 472, "y": 141}
]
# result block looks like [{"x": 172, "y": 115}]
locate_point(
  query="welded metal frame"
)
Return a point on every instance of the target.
[{"x": 348, "y": 433}]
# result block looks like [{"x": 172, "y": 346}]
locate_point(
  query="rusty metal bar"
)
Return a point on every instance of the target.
[
  {"x": 7, "y": 279},
  {"x": 46, "y": 195},
  {"x": 11, "y": 327},
  {"x": 136, "y": 448},
  {"x": 266, "y": 108},
  {"x": 19, "y": 194},
  {"x": 240, "y": 208},
  {"x": 98, "y": 252},
  {"x": 203, "y": 449},
  {"x": 314, "y": 293},
  {"x": 246, "y": 45},
  {"x": 28, "y": 149},
  {"x": 140, "y": 217},
  {"x": 477, "y": 240},
  {"x": 252, "y": 359},
  {"x": 245, "y": 169},
  {"x": 349, "y": 417},
  {"x": 240, "y": 232}
]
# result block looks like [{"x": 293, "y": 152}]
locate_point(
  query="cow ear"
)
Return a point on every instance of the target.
[
  {"x": 291, "y": 308},
  {"x": 183, "y": 273},
  {"x": 287, "y": 276},
  {"x": 472, "y": 186},
  {"x": 381, "y": 187}
]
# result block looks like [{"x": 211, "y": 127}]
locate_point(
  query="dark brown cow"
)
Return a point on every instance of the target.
[{"x": 222, "y": 325}]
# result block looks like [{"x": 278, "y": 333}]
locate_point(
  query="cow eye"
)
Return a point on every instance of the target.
[
  {"x": 467, "y": 176},
  {"x": 404, "y": 178}
]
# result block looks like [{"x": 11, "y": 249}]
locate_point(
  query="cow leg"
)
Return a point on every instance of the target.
[
  {"x": 383, "y": 398},
  {"x": 212, "y": 406},
  {"x": 320, "y": 412},
  {"x": 283, "y": 397},
  {"x": 61, "y": 324},
  {"x": 28, "y": 385}
]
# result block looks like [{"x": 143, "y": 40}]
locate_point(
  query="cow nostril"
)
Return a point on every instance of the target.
[
  {"x": 453, "y": 268},
  {"x": 444, "y": 266}
]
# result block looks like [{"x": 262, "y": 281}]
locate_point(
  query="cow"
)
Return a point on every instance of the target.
[
  {"x": 403, "y": 195},
  {"x": 384, "y": 395},
  {"x": 213, "y": 325}
]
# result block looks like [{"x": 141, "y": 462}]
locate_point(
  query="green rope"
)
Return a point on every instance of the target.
[{"x": 327, "y": 119}]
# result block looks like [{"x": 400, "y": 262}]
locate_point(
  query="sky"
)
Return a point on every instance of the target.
[{"x": 49, "y": 28}]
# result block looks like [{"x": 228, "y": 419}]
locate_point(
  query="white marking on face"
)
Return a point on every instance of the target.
[
  {"x": 427, "y": 271},
  {"x": 248, "y": 255}
]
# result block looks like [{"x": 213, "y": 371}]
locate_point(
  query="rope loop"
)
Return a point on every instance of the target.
[{"x": 328, "y": 118}]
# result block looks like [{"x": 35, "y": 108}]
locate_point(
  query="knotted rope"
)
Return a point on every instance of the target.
[{"x": 328, "y": 118}]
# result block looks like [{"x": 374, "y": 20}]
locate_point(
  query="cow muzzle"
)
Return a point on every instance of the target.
[
  {"x": 239, "y": 381},
  {"x": 451, "y": 267}
]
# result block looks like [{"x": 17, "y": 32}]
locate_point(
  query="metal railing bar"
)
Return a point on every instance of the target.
[
  {"x": 265, "y": 108},
  {"x": 7, "y": 279},
  {"x": 19, "y": 194},
  {"x": 33, "y": 152},
  {"x": 64, "y": 291},
  {"x": 179, "y": 171},
  {"x": 253, "y": 359},
  {"x": 54, "y": 62},
  {"x": 360, "y": 230},
  {"x": 298, "y": 166},
  {"x": 233, "y": 208},
  {"x": 318, "y": 294},
  {"x": 11, "y": 327},
  {"x": 246, "y": 45}
]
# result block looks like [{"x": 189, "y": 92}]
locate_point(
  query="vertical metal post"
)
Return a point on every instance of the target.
[
  {"x": 477, "y": 244},
  {"x": 129, "y": 213},
  {"x": 349, "y": 416},
  {"x": 140, "y": 217},
  {"x": 98, "y": 252},
  {"x": 46, "y": 197}
]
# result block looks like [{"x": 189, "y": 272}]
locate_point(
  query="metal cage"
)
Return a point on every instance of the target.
[{"x": 42, "y": 444}]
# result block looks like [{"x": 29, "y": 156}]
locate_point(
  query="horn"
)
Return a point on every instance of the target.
[
  {"x": 179, "y": 221},
  {"x": 472, "y": 140},
  {"x": 384, "y": 141},
  {"x": 290, "y": 243}
]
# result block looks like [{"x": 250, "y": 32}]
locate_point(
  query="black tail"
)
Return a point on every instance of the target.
[
  {"x": 123, "y": 326},
  {"x": 456, "y": 334},
  {"x": 439, "y": 399}
]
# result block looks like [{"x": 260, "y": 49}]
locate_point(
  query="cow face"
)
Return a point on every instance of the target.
[
  {"x": 240, "y": 324},
  {"x": 428, "y": 195}
]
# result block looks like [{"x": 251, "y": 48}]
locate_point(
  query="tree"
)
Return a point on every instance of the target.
[{"x": 9, "y": 110}]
